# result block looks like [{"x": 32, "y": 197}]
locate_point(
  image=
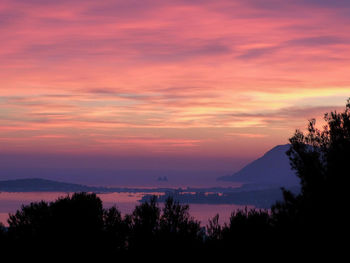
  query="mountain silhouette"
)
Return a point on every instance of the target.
[{"x": 273, "y": 168}]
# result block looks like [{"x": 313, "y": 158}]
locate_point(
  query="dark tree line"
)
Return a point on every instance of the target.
[{"x": 80, "y": 223}]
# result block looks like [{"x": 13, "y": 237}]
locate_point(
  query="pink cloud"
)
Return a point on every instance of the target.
[{"x": 168, "y": 67}]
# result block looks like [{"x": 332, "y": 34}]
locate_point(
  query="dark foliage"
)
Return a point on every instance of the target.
[
  {"x": 247, "y": 229},
  {"x": 320, "y": 159},
  {"x": 144, "y": 225},
  {"x": 178, "y": 228}
]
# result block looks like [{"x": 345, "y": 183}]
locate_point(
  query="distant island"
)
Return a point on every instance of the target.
[
  {"x": 162, "y": 179},
  {"x": 43, "y": 185},
  {"x": 273, "y": 168}
]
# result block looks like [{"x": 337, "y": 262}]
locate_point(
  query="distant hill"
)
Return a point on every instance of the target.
[
  {"x": 272, "y": 169},
  {"x": 42, "y": 185}
]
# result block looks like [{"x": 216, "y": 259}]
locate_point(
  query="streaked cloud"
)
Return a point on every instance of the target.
[{"x": 173, "y": 75}]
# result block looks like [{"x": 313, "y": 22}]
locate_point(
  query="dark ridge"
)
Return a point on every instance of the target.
[{"x": 43, "y": 185}]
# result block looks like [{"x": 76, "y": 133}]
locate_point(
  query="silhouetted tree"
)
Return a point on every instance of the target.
[
  {"x": 247, "y": 228},
  {"x": 79, "y": 216},
  {"x": 321, "y": 161},
  {"x": 214, "y": 229},
  {"x": 214, "y": 235},
  {"x": 116, "y": 230},
  {"x": 144, "y": 225},
  {"x": 30, "y": 222},
  {"x": 71, "y": 222},
  {"x": 177, "y": 228}
]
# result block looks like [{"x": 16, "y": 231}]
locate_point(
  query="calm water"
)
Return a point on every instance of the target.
[{"x": 10, "y": 202}]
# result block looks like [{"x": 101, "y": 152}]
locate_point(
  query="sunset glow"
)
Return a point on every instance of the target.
[{"x": 207, "y": 78}]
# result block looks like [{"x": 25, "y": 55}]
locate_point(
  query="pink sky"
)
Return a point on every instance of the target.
[{"x": 168, "y": 78}]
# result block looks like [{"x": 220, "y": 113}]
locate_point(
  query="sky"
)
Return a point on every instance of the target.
[{"x": 160, "y": 86}]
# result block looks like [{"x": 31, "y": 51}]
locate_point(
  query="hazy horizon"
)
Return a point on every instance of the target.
[{"x": 120, "y": 171}]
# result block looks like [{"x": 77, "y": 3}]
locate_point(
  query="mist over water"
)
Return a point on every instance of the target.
[{"x": 116, "y": 171}]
